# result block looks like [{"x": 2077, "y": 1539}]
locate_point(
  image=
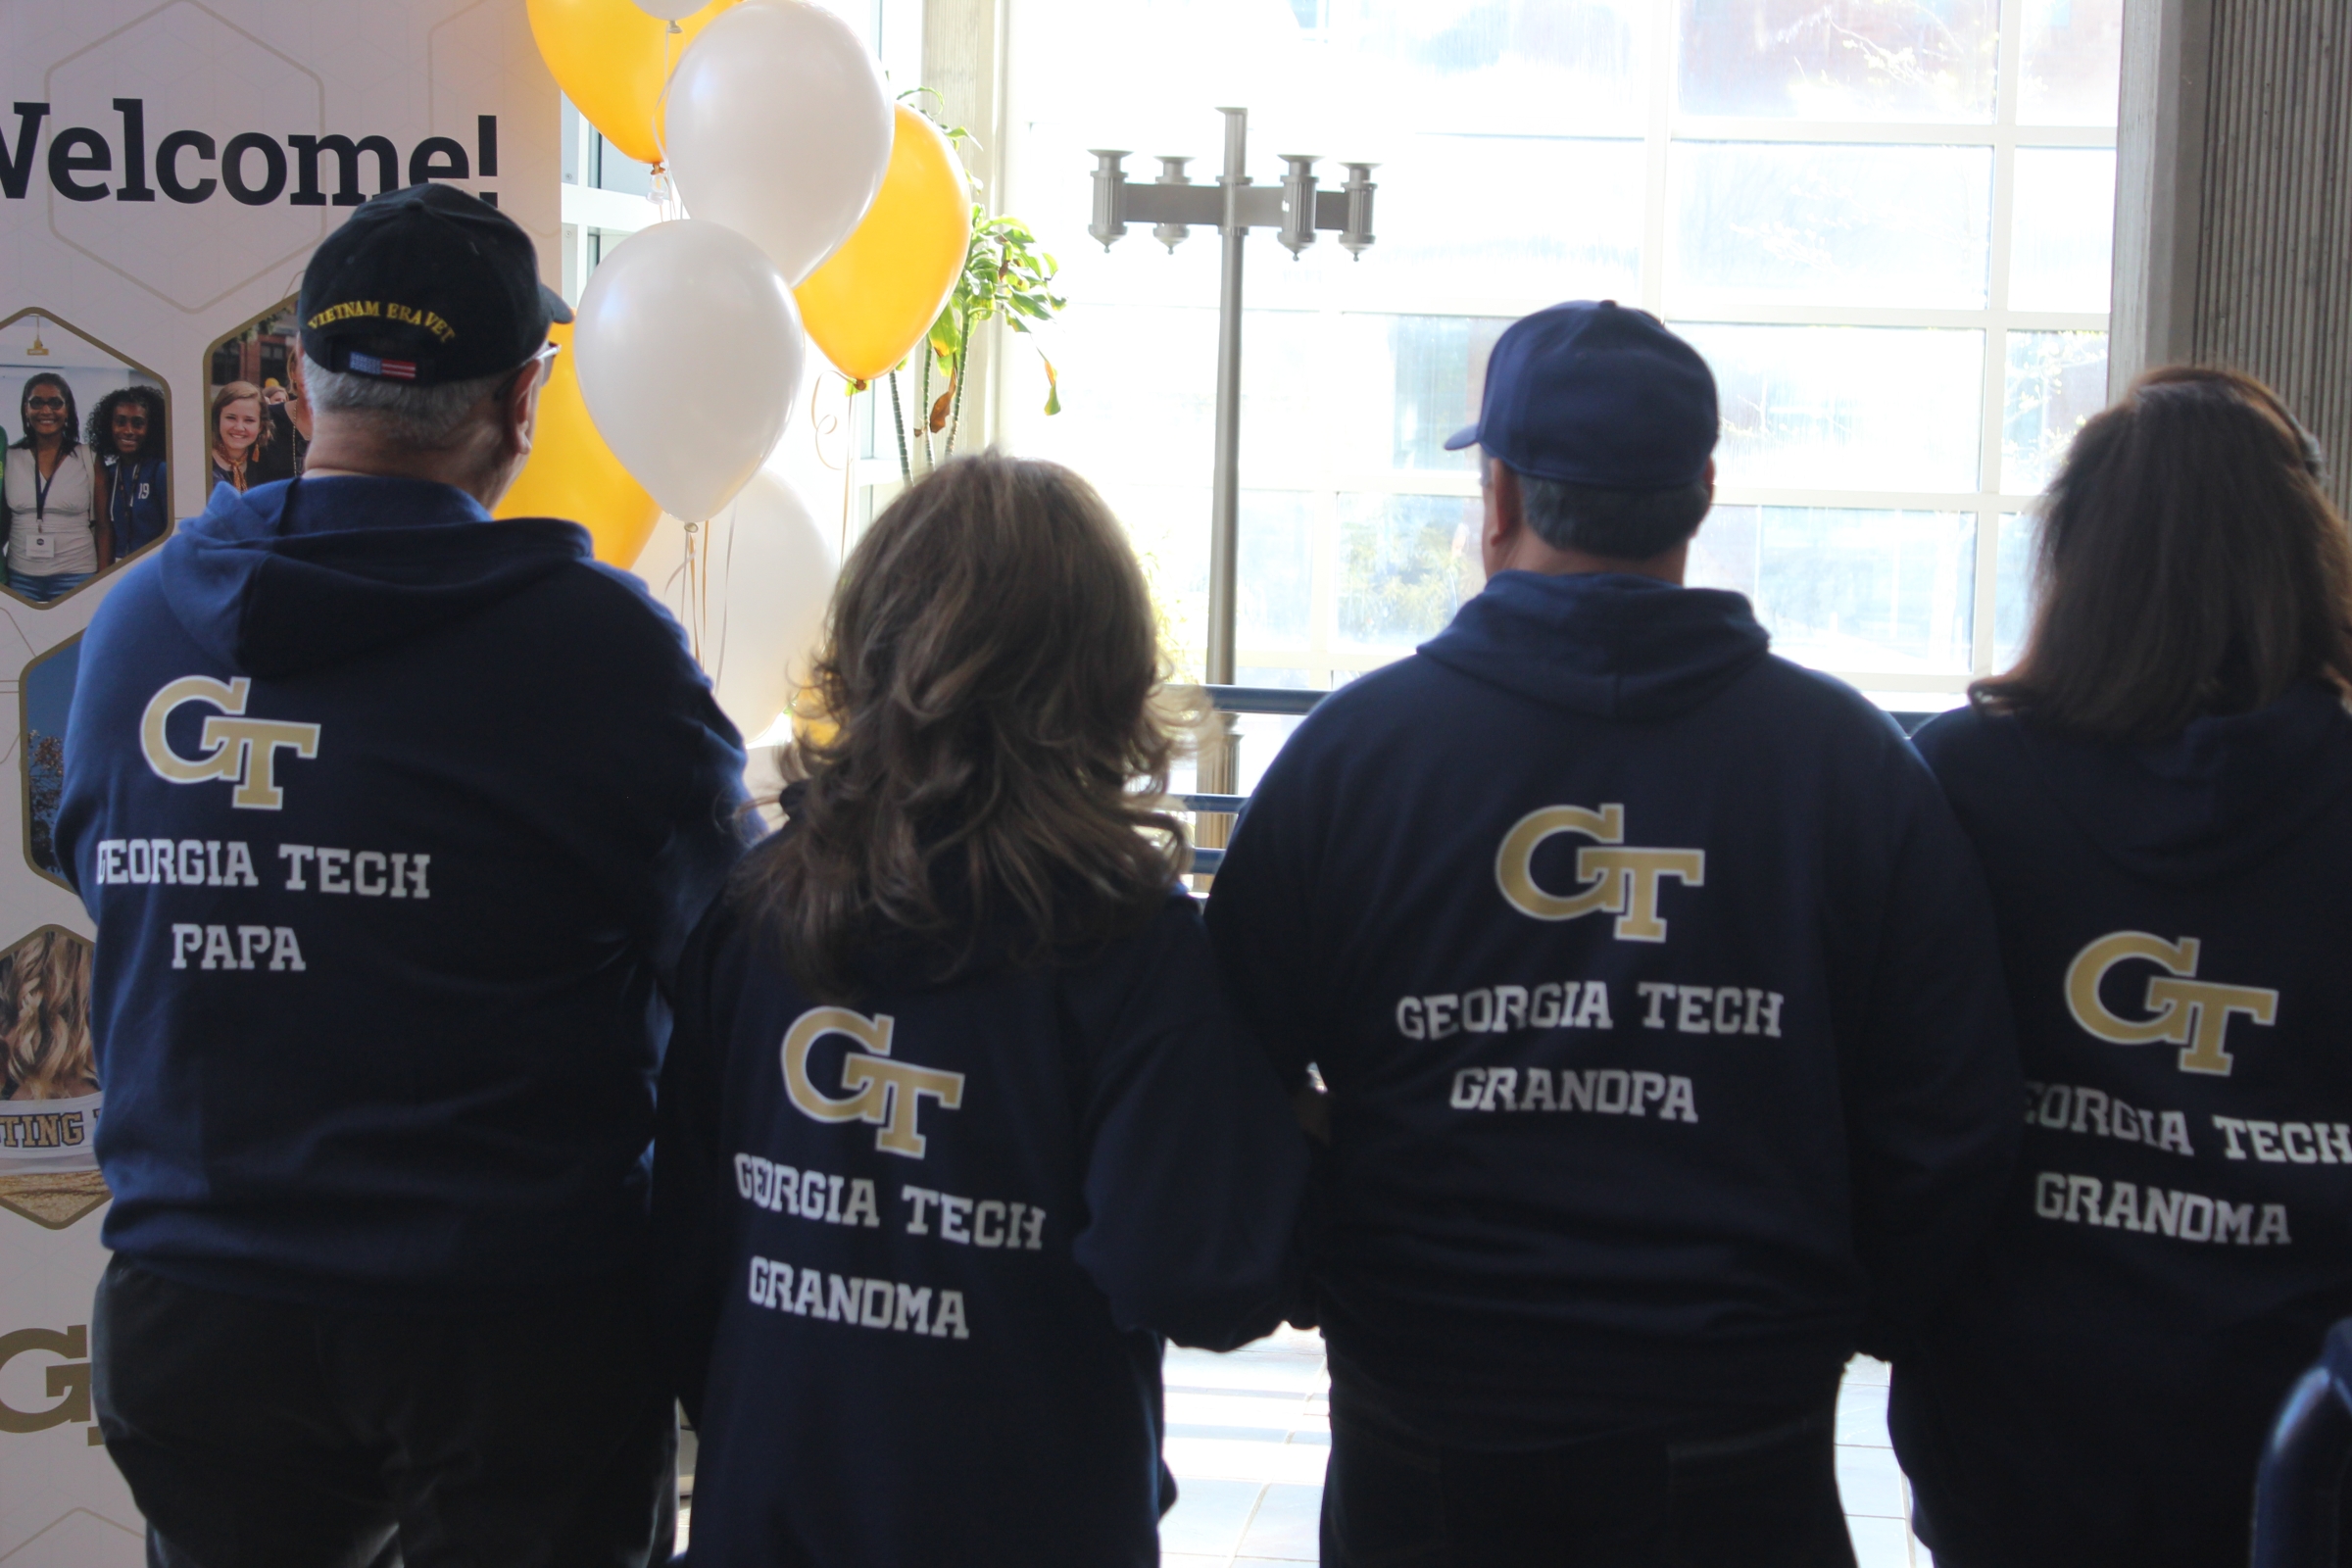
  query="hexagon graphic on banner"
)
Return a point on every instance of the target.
[
  {"x": 44, "y": 696},
  {"x": 254, "y": 430},
  {"x": 183, "y": 108},
  {"x": 48, "y": 1080},
  {"x": 113, "y": 481}
]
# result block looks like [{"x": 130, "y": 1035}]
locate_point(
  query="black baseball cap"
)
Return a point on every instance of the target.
[
  {"x": 1594, "y": 393},
  {"x": 427, "y": 284}
]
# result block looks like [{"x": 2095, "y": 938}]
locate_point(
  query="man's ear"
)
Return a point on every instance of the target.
[
  {"x": 522, "y": 408},
  {"x": 1506, "y": 508}
]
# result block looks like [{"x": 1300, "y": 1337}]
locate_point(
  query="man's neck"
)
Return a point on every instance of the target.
[
  {"x": 1531, "y": 554},
  {"x": 333, "y": 458}
]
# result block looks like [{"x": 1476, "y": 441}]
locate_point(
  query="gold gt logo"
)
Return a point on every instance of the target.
[
  {"x": 2182, "y": 1010},
  {"x": 884, "y": 1093},
  {"x": 243, "y": 751},
  {"x": 1619, "y": 881}
]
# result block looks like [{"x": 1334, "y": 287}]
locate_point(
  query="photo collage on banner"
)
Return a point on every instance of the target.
[
  {"x": 166, "y": 168},
  {"x": 86, "y": 472}
]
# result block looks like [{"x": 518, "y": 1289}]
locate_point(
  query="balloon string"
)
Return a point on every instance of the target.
[
  {"x": 726, "y": 579},
  {"x": 821, "y": 425},
  {"x": 664, "y": 191},
  {"x": 693, "y": 596}
]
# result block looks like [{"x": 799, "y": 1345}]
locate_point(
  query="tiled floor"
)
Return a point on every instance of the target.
[{"x": 1247, "y": 1434}]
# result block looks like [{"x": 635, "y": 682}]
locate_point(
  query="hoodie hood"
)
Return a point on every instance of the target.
[
  {"x": 301, "y": 573},
  {"x": 1606, "y": 644},
  {"x": 2222, "y": 794}
]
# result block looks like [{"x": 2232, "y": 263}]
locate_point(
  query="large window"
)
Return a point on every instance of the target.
[{"x": 1885, "y": 222}]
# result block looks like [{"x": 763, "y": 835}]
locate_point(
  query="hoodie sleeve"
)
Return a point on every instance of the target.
[
  {"x": 1262, "y": 920},
  {"x": 679, "y": 768},
  {"x": 1930, "y": 1063},
  {"x": 690, "y": 1253},
  {"x": 1195, "y": 1169}
]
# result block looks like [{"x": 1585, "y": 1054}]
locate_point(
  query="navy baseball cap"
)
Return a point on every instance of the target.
[
  {"x": 1596, "y": 394},
  {"x": 427, "y": 284}
]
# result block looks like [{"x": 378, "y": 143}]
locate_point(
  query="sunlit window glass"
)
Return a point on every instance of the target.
[
  {"x": 1839, "y": 59},
  {"x": 2072, "y": 53},
  {"x": 1866, "y": 408},
  {"x": 1828, "y": 224},
  {"x": 1405, "y": 564},
  {"x": 2056, "y": 381},
  {"x": 1894, "y": 258},
  {"x": 1850, "y": 589},
  {"x": 2064, "y": 229}
]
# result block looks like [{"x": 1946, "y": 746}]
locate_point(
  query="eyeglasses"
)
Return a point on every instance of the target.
[
  {"x": 544, "y": 359},
  {"x": 45, "y": 403}
]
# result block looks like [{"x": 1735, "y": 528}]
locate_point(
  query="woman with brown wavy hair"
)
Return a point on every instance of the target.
[
  {"x": 955, "y": 1123},
  {"x": 2161, "y": 792},
  {"x": 47, "y": 1036}
]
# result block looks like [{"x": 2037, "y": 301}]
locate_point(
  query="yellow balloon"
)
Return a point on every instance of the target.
[
  {"x": 874, "y": 298},
  {"x": 613, "y": 61},
  {"x": 572, "y": 474}
]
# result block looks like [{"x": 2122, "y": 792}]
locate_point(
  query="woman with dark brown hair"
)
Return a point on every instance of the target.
[
  {"x": 2161, "y": 792},
  {"x": 955, "y": 1123}
]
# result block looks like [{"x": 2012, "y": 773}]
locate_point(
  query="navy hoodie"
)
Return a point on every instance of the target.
[
  {"x": 392, "y": 819},
  {"x": 1655, "y": 992},
  {"x": 918, "y": 1253},
  {"x": 2177, "y": 937}
]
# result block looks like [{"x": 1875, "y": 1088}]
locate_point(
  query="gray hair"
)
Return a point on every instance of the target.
[
  {"x": 1618, "y": 524},
  {"x": 425, "y": 417}
]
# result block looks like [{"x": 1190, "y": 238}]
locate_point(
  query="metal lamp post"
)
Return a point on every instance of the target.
[{"x": 1294, "y": 209}]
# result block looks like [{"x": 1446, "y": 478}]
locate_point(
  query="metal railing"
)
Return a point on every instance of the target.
[{"x": 1292, "y": 703}]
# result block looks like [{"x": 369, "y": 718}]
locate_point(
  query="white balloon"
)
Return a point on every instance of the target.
[
  {"x": 690, "y": 351},
  {"x": 770, "y": 567},
  {"x": 778, "y": 126},
  {"x": 670, "y": 10}
]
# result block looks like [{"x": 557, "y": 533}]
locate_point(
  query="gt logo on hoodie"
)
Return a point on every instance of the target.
[
  {"x": 243, "y": 751},
  {"x": 1617, "y": 880},
  {"x": 2182, "y": 1010},
  {"x": 887, "y": 1093}
]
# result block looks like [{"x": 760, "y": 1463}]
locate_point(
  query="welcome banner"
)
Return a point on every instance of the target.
[{"x": 164, "y": 172}]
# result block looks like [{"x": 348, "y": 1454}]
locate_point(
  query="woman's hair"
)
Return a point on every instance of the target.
[
  {"x": 2189, "y": 565},
  {"x": 993, "y": 667},
  {"x": 102, "y": 421},
  {"x": 47, "y": 1037},
  {"x": 231, "y": 393},
  {"x": 71, "y": 432}
]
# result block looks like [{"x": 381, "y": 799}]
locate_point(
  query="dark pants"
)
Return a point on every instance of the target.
[
  {"x": 257, "y": 1432},
  {"x": 1761, "y": 1492}
]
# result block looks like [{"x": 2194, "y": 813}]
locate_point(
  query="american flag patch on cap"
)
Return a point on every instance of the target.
[{"x": 390, "y": 370}]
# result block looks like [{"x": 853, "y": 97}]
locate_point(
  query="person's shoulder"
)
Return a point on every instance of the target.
[
  {"x": 1964, "y": 733},
  {"x": 613, "y": 611},
  {"x": 1795, "y": 694},
  {"x": 133, "y": 605}
]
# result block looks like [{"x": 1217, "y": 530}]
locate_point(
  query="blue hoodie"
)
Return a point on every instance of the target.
[
  {"x": 2176, "y": 928},
  {"x": 1655, "y": 992},
  {"x": 393, "y": 821},
  {"x": 918, "y": 1254}
]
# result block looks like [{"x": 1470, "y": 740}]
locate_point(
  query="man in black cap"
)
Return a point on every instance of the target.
[
  {"x": 393, "y": 819},
  {"x": 1656, "y": 996}
]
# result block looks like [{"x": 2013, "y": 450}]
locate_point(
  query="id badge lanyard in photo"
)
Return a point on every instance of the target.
[{"x": 40, "y": 547}]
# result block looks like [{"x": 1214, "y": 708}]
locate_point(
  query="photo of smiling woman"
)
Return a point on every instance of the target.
[
  {"x": 134, "y": 497},
  {"x": 53, "y": 544},
  {"x": 239, "y": 435}
]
